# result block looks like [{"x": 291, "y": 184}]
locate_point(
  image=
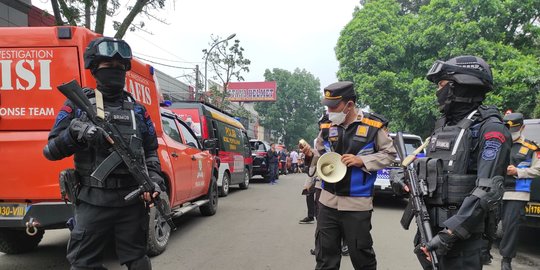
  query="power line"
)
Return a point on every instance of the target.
[
  {"x": 161, "y": 64},
  {"x": 155, "y": 57},
  {"x": 145, "y": 39}
]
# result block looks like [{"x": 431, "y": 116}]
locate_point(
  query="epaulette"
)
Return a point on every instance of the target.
[
  {"x": 370, "y": 122},
  {"x": 325, "y": 125},
  {"x": 529, "y": 144}
]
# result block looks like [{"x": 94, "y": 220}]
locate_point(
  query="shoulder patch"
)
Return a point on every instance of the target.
[
  {"x": 362, "y": 131},
  {"x": 495, "y": 135},
  {"x": 372, "y": 123},
  {"x": 491, "y": 148}
]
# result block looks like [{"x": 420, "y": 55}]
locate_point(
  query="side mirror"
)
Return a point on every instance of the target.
[{"x": 211, "y": 145}]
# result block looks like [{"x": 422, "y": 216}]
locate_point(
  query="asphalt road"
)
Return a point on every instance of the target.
[{"x": 258, "y": 229}]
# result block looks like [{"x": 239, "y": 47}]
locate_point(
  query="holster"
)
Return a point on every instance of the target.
[{"x": 69, "y": 185}]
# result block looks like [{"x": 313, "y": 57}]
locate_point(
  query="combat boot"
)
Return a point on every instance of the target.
[{"x": 506, "y": 263}]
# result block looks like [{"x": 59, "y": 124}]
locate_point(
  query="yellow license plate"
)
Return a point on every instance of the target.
[
  {"x": 12, "y": 210},
  {"x": 532, "y": 209}
]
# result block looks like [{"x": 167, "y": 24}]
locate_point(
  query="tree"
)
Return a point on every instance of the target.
[
  {"x": 387, "y": 48},
  {"x": 227, "y": 63},
  {"x": 298, "y": 105},
  {"x": 75, "y": 11}
]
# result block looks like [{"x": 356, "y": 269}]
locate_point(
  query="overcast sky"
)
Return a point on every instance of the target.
[{"x": 285, "y": 34}]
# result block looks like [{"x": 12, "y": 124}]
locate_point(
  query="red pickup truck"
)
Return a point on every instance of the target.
[{"x": 33, "y": 62}]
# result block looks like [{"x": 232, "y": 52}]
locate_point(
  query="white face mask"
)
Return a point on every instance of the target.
[
  {"x": 337, "y": 118},
  {"x": 515, "y": 135}
]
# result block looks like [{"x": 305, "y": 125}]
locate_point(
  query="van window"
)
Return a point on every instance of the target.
[
  {"x": 532, "y": 131},
  {"x": 411, "y": 144},
  {"x": 169, "y": 127},
  {"x": 190, "y": 139}
]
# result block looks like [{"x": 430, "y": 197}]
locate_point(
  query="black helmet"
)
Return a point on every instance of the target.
[
  {"x": 106, "y": 49},
  {"x": 465, "y": 70},
  {"x": 513, "y": 121}
]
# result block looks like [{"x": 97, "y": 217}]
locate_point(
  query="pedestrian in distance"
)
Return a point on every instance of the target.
[
  {"x": 101, "y": 212},
  {"x": 272, "y": 157},
  {"x": 467, "y": 156},
  {"x": 524, "y": 166},
  {"x": 294, "y": 161},
  {"x": 283, "y": 160},
  {"x": 346, "y": 206}
]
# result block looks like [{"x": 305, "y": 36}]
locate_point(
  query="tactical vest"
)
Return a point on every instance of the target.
[
  {"x": 358, "y": 139},
  {"x": 446, "y": 169},
  {"x": 124, "y": 118},
  {"x": 521, "y": 156}
]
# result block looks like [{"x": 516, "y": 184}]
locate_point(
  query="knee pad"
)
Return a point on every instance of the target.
[{"x": 142, "y": 263}]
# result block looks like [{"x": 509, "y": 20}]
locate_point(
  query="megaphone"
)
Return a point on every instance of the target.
[{"x": 330, "y": 168}]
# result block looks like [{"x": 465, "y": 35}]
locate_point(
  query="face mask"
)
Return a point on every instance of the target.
[
  {"x": 110, "y": 81},
  {"x": 337, "y": 118},
  {"x": 442, "y": 96},
  {"x": 515, "y": 135}
]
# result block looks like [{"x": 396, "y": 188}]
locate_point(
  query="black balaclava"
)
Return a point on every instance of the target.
[
  {"x": 455, "y": 111},
  {"x": 110, "y": 81}
]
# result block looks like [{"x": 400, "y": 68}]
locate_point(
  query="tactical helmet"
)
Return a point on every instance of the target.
[
  {"x": 513, "y": 121},
  {"x": 106, "y": 49},
  {"x": 465, "y": 70}
]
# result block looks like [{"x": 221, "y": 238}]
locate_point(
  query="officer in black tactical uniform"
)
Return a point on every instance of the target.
[
  {"x": 346, "y": 206},
  {"x": 467, "y": 154},
  {"x": 524, "y": 166},
  {"x": 101, "y": 212}
]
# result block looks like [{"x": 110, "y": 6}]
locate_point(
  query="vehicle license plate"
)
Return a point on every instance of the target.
[
  {"x": 11, "y": 210},
  {"x": 532, "y": 209}
]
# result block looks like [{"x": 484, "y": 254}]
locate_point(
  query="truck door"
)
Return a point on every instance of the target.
[
  {"x": 200, "y": 166},
  {"x": 180, "y": 159}
]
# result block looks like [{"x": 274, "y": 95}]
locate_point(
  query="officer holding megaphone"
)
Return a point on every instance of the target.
[{"x": 347, "y": 160}]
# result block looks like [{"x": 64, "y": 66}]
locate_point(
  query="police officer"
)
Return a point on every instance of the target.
[
  {"x": 470, "y": 148},
  {"x": 346, "y": 206},
  {"x": 102, "y": 212},
  {"x": 524, "y": 166}
]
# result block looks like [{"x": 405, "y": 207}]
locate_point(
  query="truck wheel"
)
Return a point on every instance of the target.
[
  {"x": 225, "y": 185},
  {"x": 17, "y": 241},
  {"x": 210, "y": 208},
  {"x": 245, "y": 184},
  {"x": 158, "y": 229}
]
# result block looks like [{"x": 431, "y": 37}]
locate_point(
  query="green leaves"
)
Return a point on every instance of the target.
[
  {"x": 295, "y": 112},
  {"x": 387, "y": 48}
]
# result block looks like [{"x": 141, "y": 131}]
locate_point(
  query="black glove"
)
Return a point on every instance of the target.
[
  {"x": 441, "y": 243},
  {"x": 86, "y": 132},
  {"x": 397, "y": 182}
]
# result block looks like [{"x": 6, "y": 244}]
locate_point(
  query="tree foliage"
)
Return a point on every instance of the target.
[
  {"x": 298, "y": 106},
  {"x": 227, "y": 63},
  {"x": 388, "y": 46},
  {"x": 94, "y": 13}
]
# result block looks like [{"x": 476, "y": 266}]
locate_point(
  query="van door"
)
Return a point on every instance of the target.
[
  {"x": 180, "y": 158},
  {"x": 200, "y": 171},
  {"x": 29, "y": 103}
]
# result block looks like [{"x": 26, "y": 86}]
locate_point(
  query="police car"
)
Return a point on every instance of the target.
[{"x": 382, "y": 182}]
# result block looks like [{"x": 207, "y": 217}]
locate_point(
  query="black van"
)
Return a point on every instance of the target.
[{"x": 234, "y": 151}]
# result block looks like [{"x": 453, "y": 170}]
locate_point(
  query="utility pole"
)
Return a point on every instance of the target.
[{"x": 197, "y": 83}]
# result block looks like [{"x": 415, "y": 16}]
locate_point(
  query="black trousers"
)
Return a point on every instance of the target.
[
  {"x": 355, "y": 227},
  {"x": 513, "y": 213},
  {"x": 317, "y": 203},
  {"x": 464, "y": 255},
  {"x": 310, "y": 202},
  {"x": 95, "y": 225}
]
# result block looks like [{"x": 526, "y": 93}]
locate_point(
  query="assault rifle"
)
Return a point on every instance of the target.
[
  {"x": 122, "y": 152},
  {"x": 417, "y": 190}
]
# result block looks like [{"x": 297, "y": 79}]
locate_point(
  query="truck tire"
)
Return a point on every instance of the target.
[
  {"x": 245, "y": 184},
  {"x": 158, "y": 229},
  {"x": 225, "y": 185},
  {"x": 17, "y": 241},
  {"x": 210, "y": 208}
]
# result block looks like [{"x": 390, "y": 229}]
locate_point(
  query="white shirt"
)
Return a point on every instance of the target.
[{"x": 294, "y": 157}]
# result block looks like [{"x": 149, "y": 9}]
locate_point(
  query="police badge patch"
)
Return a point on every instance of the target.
[
  {"x": 362, "y": 131},
  {"x": 491, "y": 148},
  {"x": 333, "y": 132}
]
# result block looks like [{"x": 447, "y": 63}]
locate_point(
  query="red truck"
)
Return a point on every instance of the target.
[{"x": 33, "y": 62}]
